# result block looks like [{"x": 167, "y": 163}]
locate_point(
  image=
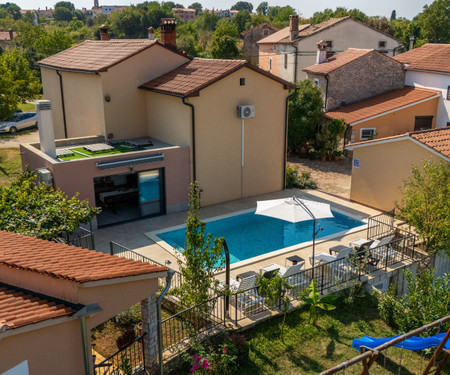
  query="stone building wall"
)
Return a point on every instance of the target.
[
  {"x": 368, "y": 76},
  {"x": 250, "y": 37}
]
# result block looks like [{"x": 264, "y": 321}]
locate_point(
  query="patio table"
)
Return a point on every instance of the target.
[{"x": 244, "y": 275}]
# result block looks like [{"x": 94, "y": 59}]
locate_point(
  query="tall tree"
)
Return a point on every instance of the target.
[
  {"x": 393, "y": 15},
  {"x": 242, "y": 20},
  {"x": 197, "y": 6},
  {"x": 305, "y": 114},
  {"x": 426, "y": 204},
  {"x": 65, "y": 4},
  {"x": 263, "y": 8},
  {"x": 435, "y": 22},
  {"x": 11, "y": 9},
  {"x": 241, "y": 5},
  {"x": 224, "y": 40},
  {"x": 18, "y": 82},
  {"x": 62, "y": 14}
]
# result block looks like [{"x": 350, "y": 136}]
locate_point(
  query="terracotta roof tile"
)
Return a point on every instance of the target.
[
  {"x": 66, "y": 262},
  {"x": 281, "y": 36},
  {"x": 261, "y": 26},
  {"x": 4, "y": 35},
  {"x": 19, "y": 307},
  {"x": 338, "y": 61},
  {"x": 96, "y": 56},
  {"x": 190, "y": 78},
  {"x": 379, "y": 104},
  {"x": 431, "y": 57},
  {"x": 437, "y": 139}
]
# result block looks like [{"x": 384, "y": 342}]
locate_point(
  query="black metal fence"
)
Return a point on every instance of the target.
[
  {"x": 82, "y": 237},
  {"x": 193, "y": 321},
  {"x": 381, "y": 225},
  {"x": 128, "y": 361}
]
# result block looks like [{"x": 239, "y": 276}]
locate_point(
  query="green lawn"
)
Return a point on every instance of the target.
[
  {"x": 27, "y": 107},
  {"x": 310, "y": 350},
  {"x": 10, "y": 165}
]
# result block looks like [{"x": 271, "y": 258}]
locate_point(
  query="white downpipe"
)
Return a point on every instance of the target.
[{"x": 242, "y": 159}]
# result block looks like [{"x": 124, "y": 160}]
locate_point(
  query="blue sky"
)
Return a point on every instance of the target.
[{"x": 306, "y": 8}]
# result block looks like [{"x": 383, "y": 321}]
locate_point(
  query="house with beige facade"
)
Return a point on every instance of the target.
[
  {"x": 396, "y": 112},
  {"x": 381, "y": 166},
  {"x": 429, "y": 67},
  {"x": 287, "y": 52},
  {"x": 52, "y": 296},
  {"x": 167, "y": 120}
]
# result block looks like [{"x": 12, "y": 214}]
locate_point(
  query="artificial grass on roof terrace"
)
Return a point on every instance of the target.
[{"x": 117, "y": 150}]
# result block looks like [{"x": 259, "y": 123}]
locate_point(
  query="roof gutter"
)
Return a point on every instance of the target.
[
  {"x": 71, "y": 70},
  {"x": 62, "y": 102},
  {"x": 286, "y": 119},
  {"x": 194, "y": 167}
]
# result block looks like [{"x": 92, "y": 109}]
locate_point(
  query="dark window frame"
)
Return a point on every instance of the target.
[
  {"x": 428, "y": 119},
  {"x": 382, "y": 44}
]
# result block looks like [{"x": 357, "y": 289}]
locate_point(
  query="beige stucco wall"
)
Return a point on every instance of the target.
[
  {"x": 77, "y": 176},
  {"x": 87, "y": 112},
  {"x": 266, "y": 53},
  {"x": 219, "y": 133},
  {"x": 126, "y": 113},
  {"x": 398, "y": 122},
  {"x": 51, "y": 350},
  {"x": 382, "y": 170}
]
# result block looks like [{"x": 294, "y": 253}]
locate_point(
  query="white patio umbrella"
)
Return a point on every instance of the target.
[{"x": 294, "y": 209}]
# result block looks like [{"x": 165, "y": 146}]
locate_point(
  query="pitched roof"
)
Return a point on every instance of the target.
[
  {"x": 430, "y": 57},
  {"x": 283, "y": 36},
  {"x": 98, "y": 56},
  {"x": 4, "y": 35},
  {"x": 261, "y": 26},
  {"x": 66, "y": 262},
  {"x": 193, "y": 76},
  {"x": 19, "y": 307},
  {"x": 437, "y": 140},
  {"x": 338, "y": 61},
  {"x": 378, "y": 105}
]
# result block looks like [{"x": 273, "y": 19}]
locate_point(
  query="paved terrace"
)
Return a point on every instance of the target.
[{"x": 133, "y": 235}]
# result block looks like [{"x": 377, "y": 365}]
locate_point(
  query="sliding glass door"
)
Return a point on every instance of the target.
[{"x": 151, "y": 200}]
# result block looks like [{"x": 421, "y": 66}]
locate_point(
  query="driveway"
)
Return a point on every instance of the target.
[{"x": 13, "y": 141}]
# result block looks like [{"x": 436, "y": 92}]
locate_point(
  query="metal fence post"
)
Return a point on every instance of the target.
[{"x": 111, "y": 248}]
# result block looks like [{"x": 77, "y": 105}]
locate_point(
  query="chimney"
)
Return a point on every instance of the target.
[
  {"x": 11, "y": 34},
  {"x": 321, "y": 52},
  {"x": 411, "y": 42},
  {"x": 151, "y": 33},
  {"x": 46, "y": 132},
  {"x": 293, "y": 26},
  {"x": 168, "y": 31},
  {"x": 104, "y": 32}
]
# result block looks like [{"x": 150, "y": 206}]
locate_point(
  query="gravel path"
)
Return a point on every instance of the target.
[{"x": 331, "y": 176}]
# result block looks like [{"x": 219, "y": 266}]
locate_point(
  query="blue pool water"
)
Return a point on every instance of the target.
[{"x": 249, "y": 235}]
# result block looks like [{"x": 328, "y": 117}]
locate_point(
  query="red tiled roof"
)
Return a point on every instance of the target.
[
  {"x": 435, "y": 139},
  {"x": 191, "y": 77},
  {"x": 66, "y": 262},
  {"x": 338, "y": 61},
  {"x": 261, "y": 26},
  {"x": 379, "y": 104},
  {"x": 431, "y": 57},
  {"x": 282, "y": 35},
  {"x": 19, "y": 308},
  {"x": 98, "y": 56},
  {"x": 4, "y": 35}
]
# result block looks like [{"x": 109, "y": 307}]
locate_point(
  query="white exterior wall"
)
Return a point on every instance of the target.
[{"x": 435, "y": 81}]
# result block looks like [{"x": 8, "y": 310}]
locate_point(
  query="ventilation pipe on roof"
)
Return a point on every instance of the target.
[
  {"x": 293, "y": 26},
  {"x": 411, "y": 42},
  {"x": 168, "y": 32},
  {"x": 151, "y": 33},
  {"x": 321, "y": 52},
  {"x": 104, "y": 32},
  {"x": 11, "y": 35},
  {"x": 46, "y": 133}
]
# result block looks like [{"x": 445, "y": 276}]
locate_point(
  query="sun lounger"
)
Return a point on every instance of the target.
[
  {"x": 325, "y": 258},
  {"x": 248, "y": 300}
]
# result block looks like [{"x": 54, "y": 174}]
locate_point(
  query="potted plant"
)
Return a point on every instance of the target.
[
  {"x": 322, "y": 154},
  {"x": 337, "y": 155}
]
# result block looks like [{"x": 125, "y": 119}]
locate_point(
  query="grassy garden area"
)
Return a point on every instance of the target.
[{"x": 10, "y": 165}]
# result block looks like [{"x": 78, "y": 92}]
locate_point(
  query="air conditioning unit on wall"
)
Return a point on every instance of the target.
[{"x": 246, "y": 111}]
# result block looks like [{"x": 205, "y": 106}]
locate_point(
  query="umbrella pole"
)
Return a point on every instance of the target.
[{"x": 227, "y": 280}]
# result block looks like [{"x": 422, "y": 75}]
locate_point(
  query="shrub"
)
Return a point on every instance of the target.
[
  {"x": 293, "y": 180},
  {"x": 129, "y": 318},
  {"x": 428, "y": 299},
  {"x": 126, "y": 338}
]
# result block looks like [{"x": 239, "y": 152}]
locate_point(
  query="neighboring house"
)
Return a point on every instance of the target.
[
  {"x": 52, "y": 296},
  {"x": 429, "y": 66},
  {"x": 287, "y": 52},
  {"x": 187, "y": 108},
  {"x": 354, "y": 75},
  {"x": 381, "y": 166},
  {"x": 251, "y": 36},
  {"x": 185, "y": 15},
  {"x": 6, "y": 38},
  {"x": 396, "y": 112},
  {"x": 229, "y": 13}
]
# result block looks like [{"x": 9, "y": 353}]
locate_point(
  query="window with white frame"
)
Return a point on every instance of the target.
[
  {"x": 367, "y": 133},
  {"x": 316, "y": 81}
]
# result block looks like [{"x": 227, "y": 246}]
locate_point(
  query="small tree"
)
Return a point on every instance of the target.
[
  {"x": 316, "y": 302},
  {"x": 34, "y": 210},
  {"x": 202, "y": 255},
  {"x": 426, "y": 204},
  {"x": 331, "y": 135}
]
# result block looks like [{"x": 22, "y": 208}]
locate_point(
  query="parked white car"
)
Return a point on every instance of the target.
[{"x": 18, "y": 121}]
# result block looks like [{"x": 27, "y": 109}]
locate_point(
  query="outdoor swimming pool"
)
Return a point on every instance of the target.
[{"x": 249, "y": 235}]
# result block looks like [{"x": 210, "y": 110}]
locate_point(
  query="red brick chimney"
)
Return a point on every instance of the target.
[
  {"x": 293, "y": 26},
  {"x": 104, "y": 32},
  {"x": 168, "y": 31},
  {"x": 11, "y": 34}
]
